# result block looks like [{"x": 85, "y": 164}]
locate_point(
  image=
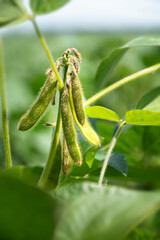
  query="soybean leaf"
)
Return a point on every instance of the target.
[
  {"x": 102, "y": 212},
  {"x": 26, "y": 211},
  {"x": 102, "y": 113},
  {"x": 117, "y": 161},
  {"x": 26, "y": 174},
  {"x": 12, "y": 12},
  {"x": 143, "y": 118},
  {"x": 150, "y": 101},
  {"x": 108, "y": 65},
  {"x": 46, "y": 6}
]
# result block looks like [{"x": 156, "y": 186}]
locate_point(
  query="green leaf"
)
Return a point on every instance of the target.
[
  {"x": 26, "y": 211},
  {"x": 150, "y": 101},
  {"x": 102, "y": 113},
  {"x": 143, "y": 118},
  {"x": 109, "y": 64},
  {"x": 26, "y": 174},
  {"x": 102, "y": 213},
  {"x": 11, "y": 12},
  {"x": 46, "y": 6}
]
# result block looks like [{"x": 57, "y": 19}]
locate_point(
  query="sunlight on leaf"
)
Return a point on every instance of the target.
[{"x": 102, "y": 113}]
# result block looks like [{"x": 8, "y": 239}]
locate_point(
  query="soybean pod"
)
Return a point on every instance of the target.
[
  {"x": 67, "y": 160},
  {"x": 69, "y": 129},
  {"x": 77, "y": 97},
  {"x": 35, "y": 112}
]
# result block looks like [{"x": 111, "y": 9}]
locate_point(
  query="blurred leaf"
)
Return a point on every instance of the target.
[
  {"x": 150, "y": 101},
  {"x": 89, "y": 156},
  {"x": 143, "y": 118},
  {"x": 141, "y": 234},
  {"x": 26, "y": 174},
  {"x": 108, "y": 65},
  {"x": 96, "y": 212},
  {"x": 102, "y": 113},
  {"x": 26, "y": 212},
  {"x": 46, "y": 6},
  {"x": 11, "y": 12},
  {"x": 151, "y": 140},
  {"x": 117, "y": 161}
]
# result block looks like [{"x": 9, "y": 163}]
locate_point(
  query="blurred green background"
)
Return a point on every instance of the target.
[{"x": 26, "y": 63}]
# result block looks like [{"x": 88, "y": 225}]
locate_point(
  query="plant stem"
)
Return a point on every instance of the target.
[
  {"x": 122, "y": 82},
  {"x": 50, "y": 58},
  {"x": 4, "y": 111},
  {"x": 53, "y": 149},
  {"x": 109, "y": 152}
]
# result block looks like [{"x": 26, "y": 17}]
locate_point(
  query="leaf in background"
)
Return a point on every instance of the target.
[
  {"x": 11, "y": 12},
  {"x": 26, "y": 174},
  {"x": 150, "y": 101},
  {"x": 26, "y": 211},
  {"x": 142, "y": 118},
  {"x": 151, "y": 141},
  {"x": 101, "y": 213},
  {"x": 102, "y": 113},
  {"x": 141, "y": 234},
  {"x": 89, "y": 156},
  {"x": 117, "y": 161},
  {"x": 46, "y": 6},
  {"x": 108, "y": 65}
]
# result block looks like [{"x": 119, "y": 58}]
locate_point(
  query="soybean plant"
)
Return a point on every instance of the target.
[{"x": 71, "y": 111}]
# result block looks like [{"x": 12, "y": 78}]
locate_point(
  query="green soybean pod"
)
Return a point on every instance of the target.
[
  {"x": 77, "y": 98},
  {"x": 67, "y": 160},
  {"x": 41, "y": 103},
  {"x": 54, "y": 175},
  {"x": 69, "y": 129}
]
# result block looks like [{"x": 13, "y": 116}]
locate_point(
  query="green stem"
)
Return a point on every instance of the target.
[
  {"x": 4, "y": 111},
  {"x": 122, "y": 82},
  {"x": 109, "y": 152},
  {"x": 53, "y": 149},
  {"x": 50, "y": 58}
]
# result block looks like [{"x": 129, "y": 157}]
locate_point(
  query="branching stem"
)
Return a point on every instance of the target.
[{"x": 121, "y": 82}]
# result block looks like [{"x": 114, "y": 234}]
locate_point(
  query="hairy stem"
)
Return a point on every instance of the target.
[
  {"x": 4, "y": 111},
  {"x": 109, "y": 152},
  {"x": 50, "y": 58},
  {"x": 52, "y": 153},
  {"x": 122, "y": 82}
]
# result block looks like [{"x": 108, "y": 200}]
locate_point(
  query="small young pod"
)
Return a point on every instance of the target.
[
  {"x": 69, "y": 129},
  {"x": 67, "y": 160},
  {"x": 54, "y": 175},
  {"x": 77, "y": 98},
  {"x": 39, "y": 106}
]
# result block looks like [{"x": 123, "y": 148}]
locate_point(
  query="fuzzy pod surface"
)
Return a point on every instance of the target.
[
  {"x": 54, "y": 175},
  {"x": 35, "y": 112},
  {"x": 77, "y": 98},
  {"x": 67, "y": 160},
  {"x": 69, "y": 129}
]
